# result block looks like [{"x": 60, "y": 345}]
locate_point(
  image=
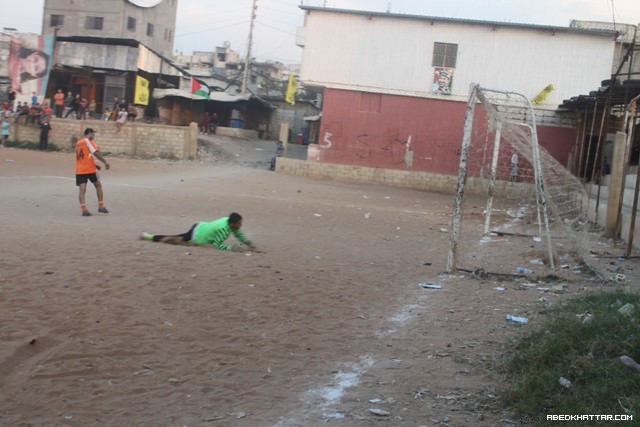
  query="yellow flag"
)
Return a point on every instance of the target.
[
  {"x": 540, "y": 98},
  {"x": 292, "y": 88},
  {"x": 141, "y": 96}
]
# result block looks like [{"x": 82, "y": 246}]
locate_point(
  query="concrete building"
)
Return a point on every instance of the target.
[
  {"x": 396, "y": 76},
  {"x": 102, "y": 46},
  {"x": 151, "y": 22}
]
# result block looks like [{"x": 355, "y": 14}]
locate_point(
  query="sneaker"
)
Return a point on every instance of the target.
[
  {"x": 86, "y": 213},
  {"x": 146, "y": 236},
  {"x": 103, "y": 210}
]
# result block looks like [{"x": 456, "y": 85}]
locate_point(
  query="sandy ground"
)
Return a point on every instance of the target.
[{"x": 328, "y": 326}]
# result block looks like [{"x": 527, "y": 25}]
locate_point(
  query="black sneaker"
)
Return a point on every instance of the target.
[
  {"x": 86, "y": 213},
  {"x": 103, "y": 210}
]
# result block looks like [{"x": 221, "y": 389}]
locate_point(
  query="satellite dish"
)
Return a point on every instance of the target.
[{"x": 145, "y": 3}]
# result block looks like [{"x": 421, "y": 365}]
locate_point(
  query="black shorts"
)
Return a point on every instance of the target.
[
  {"x": 189, "y": 234},
  {"x": 82, "y": 179}
]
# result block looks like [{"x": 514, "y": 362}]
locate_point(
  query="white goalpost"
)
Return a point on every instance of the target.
[{"x": 502, "y": 163}]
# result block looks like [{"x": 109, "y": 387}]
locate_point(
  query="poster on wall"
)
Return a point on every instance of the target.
[
  {"x": 29, "y": 63},
  {"x": 442, "y": 79}
]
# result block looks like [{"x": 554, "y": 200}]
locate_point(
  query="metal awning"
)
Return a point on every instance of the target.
[{"x": 213, "y": 96}]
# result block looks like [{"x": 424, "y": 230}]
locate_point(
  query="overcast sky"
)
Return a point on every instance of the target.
[{"x": 205, "y": 24}]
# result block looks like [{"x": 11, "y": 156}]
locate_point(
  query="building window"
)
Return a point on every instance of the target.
[
  {"x": 93, "y": 23},
  {"x": 150, "y": 30},
  {"x": 57, "y": 21},
  {"x": 445, "y": 54},
  {"x": 131, "y": 24}
]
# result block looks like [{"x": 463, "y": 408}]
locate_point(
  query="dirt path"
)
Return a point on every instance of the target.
[{"x": 328, "y": 326}]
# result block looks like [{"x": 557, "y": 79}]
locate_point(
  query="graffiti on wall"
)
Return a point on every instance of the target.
[{"x": 397, "y": 149}]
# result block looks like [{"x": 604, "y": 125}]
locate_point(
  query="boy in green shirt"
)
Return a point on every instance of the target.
[{"x": 208, "y": 233}]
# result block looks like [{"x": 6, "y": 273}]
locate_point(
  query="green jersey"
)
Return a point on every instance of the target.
[{"x": 215, "y": 233}]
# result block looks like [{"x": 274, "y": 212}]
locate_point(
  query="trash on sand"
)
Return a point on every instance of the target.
[
  {"x": 516, "y": 319},
  {"x": 444, "y": 230},
  {"x": 378, "y": 411},
  {"x": 428, "y": 285},
  {"x": 238, "y": 415},
  {"x": 317, "y": 214},
  {"x": 480, "y": 273},
  {"x": 627, "y": 309},
  {"x": 564, "y": 382},
  {"x": 628, "y": 361},
  {"x": 537, "y": 239},
  {"x": 499, "y": 289},
  {"x": 620, "y": 278},
  {"x": 524, "y": 270},
  {"x": 585, "y": 317}
]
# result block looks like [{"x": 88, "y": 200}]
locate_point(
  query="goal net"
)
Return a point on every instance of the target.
[{"x": 509, "y": 188}]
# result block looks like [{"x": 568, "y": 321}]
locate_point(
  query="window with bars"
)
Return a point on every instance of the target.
[
  {"x": 444, "y": 54},
  {"x": 93, "y": 22},
  {"x": 56, "y": 21},
  {"x": 131, "y": 23},
  {"x": 150, "y": 30}
]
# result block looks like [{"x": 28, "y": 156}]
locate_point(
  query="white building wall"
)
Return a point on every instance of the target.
[{"x": 394, "y": 55}]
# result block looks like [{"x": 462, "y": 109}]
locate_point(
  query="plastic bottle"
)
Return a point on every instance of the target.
[
  {"x": 524, "y": 270},
  {"x": 516, "y": 319}
]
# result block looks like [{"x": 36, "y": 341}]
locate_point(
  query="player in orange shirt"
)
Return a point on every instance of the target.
[{"x": 87, "y": 170}]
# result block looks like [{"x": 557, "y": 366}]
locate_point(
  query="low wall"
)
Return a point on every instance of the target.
[
  {"x": 237, "y": 133},
  {"x": 134, "y": 139},
  {"x": 397, "y": 178},
  {"x": 599, "y": 197}
]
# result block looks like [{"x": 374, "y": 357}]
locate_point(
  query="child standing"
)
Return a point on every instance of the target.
[{"x": 5, "y": 131}]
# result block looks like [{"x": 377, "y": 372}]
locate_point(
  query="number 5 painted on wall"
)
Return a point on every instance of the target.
[{"x": 327, "y": 140}]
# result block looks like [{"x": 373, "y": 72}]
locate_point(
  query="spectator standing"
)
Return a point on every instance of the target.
[
  {"x": 45, "y": 127},
  {"x": 6, "y": 131},
  {"x": 132, "y": 112},
  {"x": 82, "y": 108},
  {"x": 68, "y": 104},
  {"x": 58, "y": 102},
  {"x": 11, "y": 96}
]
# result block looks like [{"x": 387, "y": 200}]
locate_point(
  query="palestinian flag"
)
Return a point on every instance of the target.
[{"x": 199, "y": 88}]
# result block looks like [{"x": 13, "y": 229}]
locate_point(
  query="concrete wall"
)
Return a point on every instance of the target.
[
  {"x": 599, "y": 197},
  {"x": 134, "y": 139},
  {"x": 387, "y": 53},
  {"x": 115, "y": 14},
  {"x": 405, "y": 132},
  {"x": 396, "y": 178}
]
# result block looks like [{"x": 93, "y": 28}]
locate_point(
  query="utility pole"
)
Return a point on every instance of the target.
[{"x": 247, "y": 61}]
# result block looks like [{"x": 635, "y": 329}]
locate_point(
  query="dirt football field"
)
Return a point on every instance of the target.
[{"x": 326, "y": 325}]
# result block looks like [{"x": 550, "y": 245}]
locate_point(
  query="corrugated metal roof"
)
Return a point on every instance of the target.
[{"x": 549, "y": 28}]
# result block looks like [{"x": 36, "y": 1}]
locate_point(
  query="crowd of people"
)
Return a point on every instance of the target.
[
  {"x": 32, "y": 113},
  {"x": 37, "y": 113}
]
